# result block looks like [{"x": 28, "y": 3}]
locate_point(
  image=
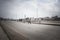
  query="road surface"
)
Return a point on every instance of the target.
[
  {"x": 17, "y": 30},
  {"x": 3, "y": 36}
]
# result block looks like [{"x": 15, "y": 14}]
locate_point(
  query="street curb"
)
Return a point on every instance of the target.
[{"x": 51, "y": 24}]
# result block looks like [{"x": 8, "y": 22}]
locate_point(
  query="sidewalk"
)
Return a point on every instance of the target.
[{"x": 3, "y": 36}]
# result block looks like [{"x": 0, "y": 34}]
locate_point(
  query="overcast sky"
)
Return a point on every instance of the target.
[{"x": 29, "y": 8}]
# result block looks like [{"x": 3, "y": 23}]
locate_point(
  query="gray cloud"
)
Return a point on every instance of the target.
[
  {"x": 57, "y": 8},
  {"x": 13, "y": 8},
  {"x": 51, "y": 6},
  {"x": 7, "y": 7}
]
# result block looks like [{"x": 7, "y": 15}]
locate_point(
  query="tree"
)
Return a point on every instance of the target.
[{"x": 55, "y": 17}]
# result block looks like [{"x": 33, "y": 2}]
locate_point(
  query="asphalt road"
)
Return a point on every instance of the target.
[{"x": 18, "y": 30}]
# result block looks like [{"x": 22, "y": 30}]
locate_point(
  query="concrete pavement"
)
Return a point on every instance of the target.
[
  {"x": 12, "y": 34},
  {"x": 31, "y": 31},
  {"x": 3, "y": 36}
]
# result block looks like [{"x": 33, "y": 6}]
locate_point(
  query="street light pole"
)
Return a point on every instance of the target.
[
  {"x": 37, "y": 12},
  {"x": 36, "y": 6},
  {"x": 24, "y": 16}
]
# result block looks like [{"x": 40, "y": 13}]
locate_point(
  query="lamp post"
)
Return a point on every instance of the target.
[
  {"x": 24, "y": 16},
  {"x": 36, "y": 7}
]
